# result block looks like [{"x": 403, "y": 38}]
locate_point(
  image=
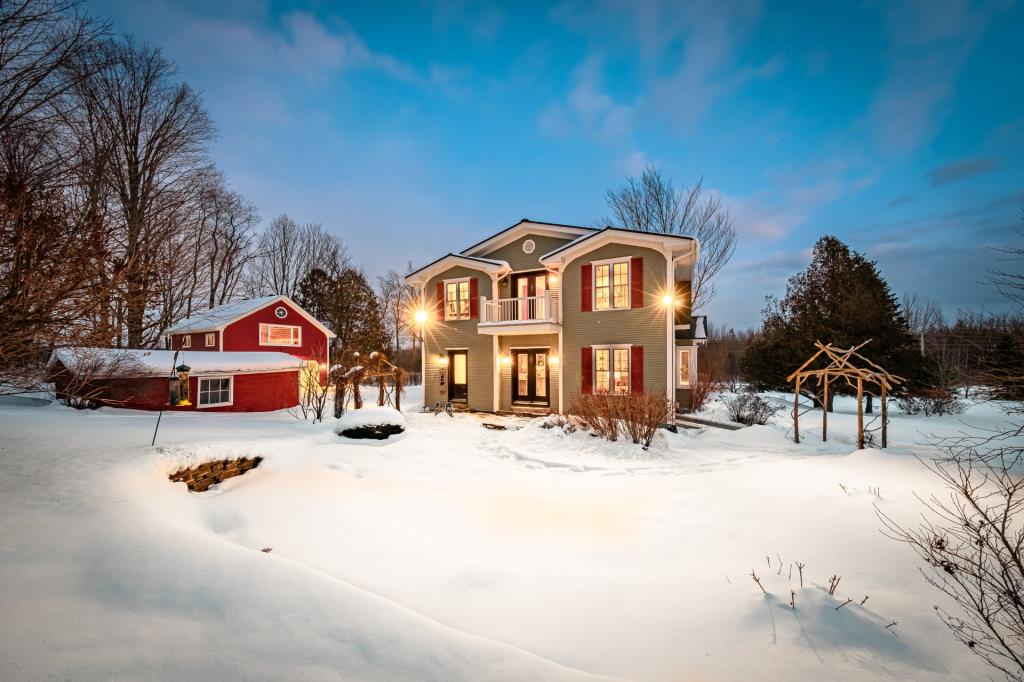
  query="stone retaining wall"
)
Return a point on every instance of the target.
[{"x": 202, "y": 476}]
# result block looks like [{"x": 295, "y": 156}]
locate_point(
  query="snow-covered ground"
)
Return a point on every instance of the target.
[{"x": 456, "y": 552}]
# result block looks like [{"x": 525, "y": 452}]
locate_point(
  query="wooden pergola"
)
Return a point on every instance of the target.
[
  {"x": 390, "y": 380},
  {"x": 841, "y": 366}
]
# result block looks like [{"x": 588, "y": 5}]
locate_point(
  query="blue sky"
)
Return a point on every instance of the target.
[{"x": 413, "y": 129}]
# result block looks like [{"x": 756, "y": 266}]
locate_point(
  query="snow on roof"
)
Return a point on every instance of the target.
[
  {"x": 220, "y": 315},
  {"x": 141, "y": 362}
]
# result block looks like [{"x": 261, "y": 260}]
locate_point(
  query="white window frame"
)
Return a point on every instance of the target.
[
  {"x": 612, "y": 347},
  {"x": 611, "y": 262},
  {"x": 210, "y": 339},
  {"x": 279, "y": 345},
  {"x": 692, "y": 369},
  {"x": 199, "y": 391},
  {"x": 186, "y": 341},
  {"x": 469, "y": 302}
]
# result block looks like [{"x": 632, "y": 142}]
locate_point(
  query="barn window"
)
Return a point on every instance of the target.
[
  {"x": 215, "y": 391},
  {"x": 211, "y": 340},
  {"x": 186, "y": 341},
  {"x": 280, "y": 335}
]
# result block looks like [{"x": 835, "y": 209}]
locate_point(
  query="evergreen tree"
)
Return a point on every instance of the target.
[
  {"x": 347, "y": 304},
  {"x": 842, "y": 299}
]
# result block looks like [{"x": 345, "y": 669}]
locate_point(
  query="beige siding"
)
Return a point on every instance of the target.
[
  {"x": 443, "y": 335},
  {"x": 513, "y": 253},
  {"x": 506, "y": 343},
  {"x": 645, "y": 326}
]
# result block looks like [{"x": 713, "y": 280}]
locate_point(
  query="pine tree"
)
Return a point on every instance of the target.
[
  {"x": 842, "y": 299},
  {"x": 347, "y": 304}
]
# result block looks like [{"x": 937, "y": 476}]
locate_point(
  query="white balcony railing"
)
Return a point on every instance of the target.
[{"x": 525, "y": 309}]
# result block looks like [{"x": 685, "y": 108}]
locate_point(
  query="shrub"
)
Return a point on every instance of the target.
[
  {"x": 711, "y": 362},
  {"x": 636, "y": 416},
  {"x": 931, "y": 402},
  {"x": 749, "y": 408}
]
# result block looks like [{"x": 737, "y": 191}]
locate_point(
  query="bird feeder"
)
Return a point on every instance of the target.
[{"x": 183, "y": 397}]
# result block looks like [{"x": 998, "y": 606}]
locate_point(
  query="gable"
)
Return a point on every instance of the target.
[{"x": 513, "y": 254}]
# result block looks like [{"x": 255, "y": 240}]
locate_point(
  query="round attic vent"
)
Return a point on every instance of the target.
[
  {"x": 529, "y": 246},
  {"x": 281, "y": 312}
]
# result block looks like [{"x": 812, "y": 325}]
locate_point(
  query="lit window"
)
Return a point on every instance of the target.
[
  {"x": 211, "y": 340},
  {"x": 280, "y": 335},
  {"x": 214, "y": 391},
  {"x": 457, "y": 300},
  {"x": 683, "y": 368},
  {"x": 186, "y": 341},
  {"x": 611, "y": 285},
  {"x": 611, "y": 370}
]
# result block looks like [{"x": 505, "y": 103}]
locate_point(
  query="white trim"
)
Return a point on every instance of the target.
[
  {"x": 223, "y": 325},
  {"x": 496, "y": 352},
  {"x": 692, "y": 350},
  {"x": 561, "y": 363},
  {"x": 511, "y": 234},
  {"x": 422, "y": 277},
  {"x": 199, "y": 391},
  {"x": 206, "y": 339},
  {"x": 528, "y": 347},
  {"x": 611, "y": 262},
  {"x": 469, "y": 298},
  {"x": 529, "y": 243},
  {"x": 670, "y": 319},
  {"x": 663, "y": 243},
  {"x": 259, "y": 339},
  {"x": 611, "y": 366}
]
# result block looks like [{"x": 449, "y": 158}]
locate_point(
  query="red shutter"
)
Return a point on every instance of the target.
[
  {"x": 587, "y": 369},
  {"x": 636, "y": 369},
  {"x": 474, "y": 299},
  {"x": 587, "y": 287},
  {"x": 636, "y": 270},
  {"x": 440, "y": 300}
]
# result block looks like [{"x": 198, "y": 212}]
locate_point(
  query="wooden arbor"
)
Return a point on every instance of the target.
[
  {"x": 841, "y": 365},
  {"x": 390, "y": 380}
]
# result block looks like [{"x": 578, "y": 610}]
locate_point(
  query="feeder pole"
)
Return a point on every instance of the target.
[
  {"x": 824, "y": 412},
  {"x": 160, "y": 415},
  {"x": 796, "y": 411}
]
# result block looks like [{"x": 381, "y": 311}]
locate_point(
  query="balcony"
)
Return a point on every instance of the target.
[{"x": 526, "y": 315}]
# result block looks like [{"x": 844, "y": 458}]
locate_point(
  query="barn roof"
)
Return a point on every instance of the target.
[
  {"x": 221, "y": 316},
  {"x": 136, "y": 362}
]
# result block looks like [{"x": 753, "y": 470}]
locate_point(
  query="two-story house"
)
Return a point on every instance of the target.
[{"x": 540, "y": 312}]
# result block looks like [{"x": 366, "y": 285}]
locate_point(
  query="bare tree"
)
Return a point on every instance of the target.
[
  {"x": 1010, "y": 283},
  {"x": 922, "y": 315},
  {"x": 651, "y": 203},
  {"x": 396, "y": 298},
  {"x": 287, "y": 252}
]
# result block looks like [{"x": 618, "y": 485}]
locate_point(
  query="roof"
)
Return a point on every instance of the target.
[
  {"x": 136, "y": 362},
  {"x": 485, "y": 264},
  {"x": 527, "y": 224},
  {"x": 221, "y": 316},
  {"x": 608, "y": 230}
]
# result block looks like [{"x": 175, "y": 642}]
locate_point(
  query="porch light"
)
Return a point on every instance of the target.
[
  {"x": 182, "y": 378},
  {"x": 442, "y": 360},
  {"x": 553, "y": 279},
  {"x": 553, "y": 360},
  {"x": 506, "y": 360},
  {"x": 667, "y": 300},
  {"x": 420, "y": 316}
]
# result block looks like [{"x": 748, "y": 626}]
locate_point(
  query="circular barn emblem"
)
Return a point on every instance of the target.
[
  {"x": 281, "y": 312},
  {"x": 529, "y": 246}
]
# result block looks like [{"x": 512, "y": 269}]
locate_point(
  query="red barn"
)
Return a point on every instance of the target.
[
  {"x": 270, "y": 323},
  {"x": 218, "y": 382}
]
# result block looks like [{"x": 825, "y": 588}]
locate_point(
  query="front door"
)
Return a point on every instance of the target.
[
  {"x": 528, "y": 288},
  {"x": 458, "y": 388},
  {"x": 530, "y": 383}
]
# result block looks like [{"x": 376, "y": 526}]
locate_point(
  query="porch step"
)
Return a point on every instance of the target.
[{"x": 689, "y": 421}]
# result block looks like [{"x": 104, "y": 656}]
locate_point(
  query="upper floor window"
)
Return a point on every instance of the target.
[
  {"x": 186, "y": 341},
  {"x": 280, "y": 335},
  {"x": 456, "y": 296},
  {"x": 611, "y": 370},
  {"x": 211, "y": 340},
  {"x": 611, "y": 284}
]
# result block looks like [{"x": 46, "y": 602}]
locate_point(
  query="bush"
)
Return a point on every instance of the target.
[
  {"x": 636, "y": 416},
  {"x": 749, "y": 408},
  {"x": 931, "y": 402},
  {"x": 711, "y": 363}
]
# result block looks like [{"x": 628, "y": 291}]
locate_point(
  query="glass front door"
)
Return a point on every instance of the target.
[
  {"x": 458, "y": 385},
  {"x": 530, "y": 382},
  {"x": 529, "y": 289}
]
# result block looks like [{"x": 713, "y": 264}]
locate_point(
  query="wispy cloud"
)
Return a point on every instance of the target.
[
  {"x": 928, "y": 45},
  {"x": 961, "y": 170},
  {"x": 588, "y": 108},
  {"x": 482, "y": 21}
]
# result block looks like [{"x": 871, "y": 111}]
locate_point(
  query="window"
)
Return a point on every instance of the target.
[
  {"x": 280, "y": 335},
  {"x": 280, "y": 312},
  {"x": 611, "y": 285},
  {"x": 684, "y": 370},
  {"x": 186, "y": 341},
  {"x": 211, "y": 340},
  {"x": 456, "y": 299},
  {"x": 611, "y": 370},
  {"x": 529, "y": 245},
  {"x": 214, "y": 391}
]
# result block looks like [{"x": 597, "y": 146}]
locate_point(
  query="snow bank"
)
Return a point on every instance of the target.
[{"x": 370, "y": 416}]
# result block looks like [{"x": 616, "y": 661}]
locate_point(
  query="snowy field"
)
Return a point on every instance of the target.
[{"x": 453, "y": 552}]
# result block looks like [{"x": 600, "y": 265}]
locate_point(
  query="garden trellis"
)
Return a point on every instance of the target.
[
  {"x": 843, "y": 364},
  {"x": 390, "y": 380}
]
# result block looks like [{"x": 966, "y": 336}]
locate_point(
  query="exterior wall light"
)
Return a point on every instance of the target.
[
  {"x": 442, "y": 360},
  {"x": 506, "y": 360}
]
